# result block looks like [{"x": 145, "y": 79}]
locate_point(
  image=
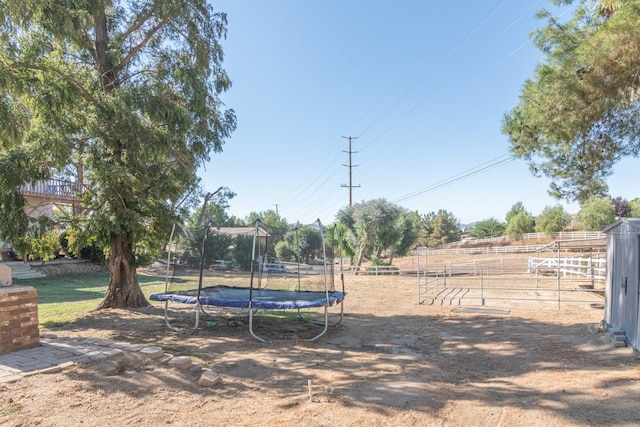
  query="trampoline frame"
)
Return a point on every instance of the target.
[{"x": 252, "y": 304}]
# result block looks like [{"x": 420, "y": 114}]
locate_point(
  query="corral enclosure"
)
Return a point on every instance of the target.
[
  {"x": 496, "y": 276},
  {"x": 489, "y": 281}
]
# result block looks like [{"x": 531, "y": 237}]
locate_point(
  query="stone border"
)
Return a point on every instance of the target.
[{"x": 58, "y": 353}]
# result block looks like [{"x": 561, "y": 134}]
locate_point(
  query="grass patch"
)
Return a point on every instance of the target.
[{"x": 63, "y": 299}]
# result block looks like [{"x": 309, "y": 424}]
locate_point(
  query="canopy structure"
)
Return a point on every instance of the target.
[{"x": 579, "y": 244}]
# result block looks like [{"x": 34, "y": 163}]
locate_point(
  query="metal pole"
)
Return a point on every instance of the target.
[{"x": 350, "y": 166}]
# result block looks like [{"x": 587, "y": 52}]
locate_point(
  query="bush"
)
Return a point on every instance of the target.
[
  {"x": 386, "y": 270},
  {"x": 92, "y": 253}
]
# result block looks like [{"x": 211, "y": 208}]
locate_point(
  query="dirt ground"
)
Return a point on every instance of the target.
[{"x": 390, "y": 362}]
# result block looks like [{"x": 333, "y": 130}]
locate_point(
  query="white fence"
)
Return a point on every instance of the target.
[
  {"x": 562, "y": 235},
  {"x": 565, "y": 235},
  {"x": 592, "y": 268},
  {"x": 487, "y": 250}
]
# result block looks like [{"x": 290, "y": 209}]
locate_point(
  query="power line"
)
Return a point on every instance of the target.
[{"x": 491, "y": 164}]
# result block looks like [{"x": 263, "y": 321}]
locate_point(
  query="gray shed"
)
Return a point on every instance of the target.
[{"x": 622, "y": 291}]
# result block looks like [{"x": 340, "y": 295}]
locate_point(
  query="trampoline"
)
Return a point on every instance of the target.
[
  {"x": 257, "y": 297},
  {"x": 263, "y": 299}
]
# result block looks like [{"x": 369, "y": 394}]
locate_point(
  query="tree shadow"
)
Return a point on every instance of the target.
[{"x": 417, "y": 362}]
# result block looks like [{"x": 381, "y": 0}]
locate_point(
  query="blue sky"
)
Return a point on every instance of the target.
[{"x": 422, "y": 85}]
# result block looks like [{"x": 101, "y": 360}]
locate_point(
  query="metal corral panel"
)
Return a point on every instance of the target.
[{"x": 622, "y": 290}]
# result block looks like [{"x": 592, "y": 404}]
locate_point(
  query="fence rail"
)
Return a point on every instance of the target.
[
  {"x": 562, "y": 235},
  {"x": 559, "y": 280},
  {"x": 487, "y": 250}
]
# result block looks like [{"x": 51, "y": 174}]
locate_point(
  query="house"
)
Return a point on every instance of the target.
[
  {"x": 262, "y": 236},
  {"x": 41, "y": 197}
]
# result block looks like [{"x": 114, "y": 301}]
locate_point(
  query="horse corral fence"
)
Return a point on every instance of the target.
[{"x": 535, "y": 278}]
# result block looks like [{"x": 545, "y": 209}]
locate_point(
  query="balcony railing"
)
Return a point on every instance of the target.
[{"x": 55, "y": 189}]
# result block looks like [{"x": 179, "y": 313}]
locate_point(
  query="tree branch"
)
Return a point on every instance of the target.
[
  {"x": 64, "y": 76},
  {"x": 137, "y": 24},
  {"x": 144, "y": 41}
]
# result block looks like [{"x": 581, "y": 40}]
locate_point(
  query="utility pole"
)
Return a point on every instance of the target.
[
  {"x": 350, "y": 166},
  {"x": 276, "y": 205}
]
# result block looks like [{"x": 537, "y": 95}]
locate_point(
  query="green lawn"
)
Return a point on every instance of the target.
[{"x": 62, "y": 299}]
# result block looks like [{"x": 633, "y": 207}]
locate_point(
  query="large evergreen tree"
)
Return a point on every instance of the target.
[
  {"x": 580, "y": 114},
  {"x": 124, "y": 97},
  {"x": 440, "y": 228}
]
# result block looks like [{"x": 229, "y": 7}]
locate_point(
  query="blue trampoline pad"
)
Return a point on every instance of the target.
[{"x": 228, "y": 296}]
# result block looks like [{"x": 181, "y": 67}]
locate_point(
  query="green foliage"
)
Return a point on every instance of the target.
[
  {"x": 579, "y": 115},
  {"x": 595, "y": 214},
  {"x": 285, "y": 251},
  {"x": 341, "y": 238},
  {"x": 41, "y": 240},
  {"x": 519, "y": 224},
  {"x": 440, "y": 228},
  {"x": 215, "y": 210},
  {"x": 408, "y": 229},
  {"x": 489, "y": 228},
  {"x": 634, "y": 205},
  {"x": 127, "y": 96},
  {"x": 273, "y": 224},
  {"x": 515, "y": 209},
  {"x": 552, "y": 219},
  {"x": 92, "y": 253},
  {"x": 242, "y": 251},
  {"x": 215, "y": 247},
  {"x": 306, "y": 243},
  {"x": 17, "y": 167},
  {"x": 374, "y": 226}
]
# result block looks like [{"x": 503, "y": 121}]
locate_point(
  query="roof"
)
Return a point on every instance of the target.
[
  {"x": 242, "y": 231},
  {"x": 579, "y": 244},
  {"x": 624, "y": 225}
]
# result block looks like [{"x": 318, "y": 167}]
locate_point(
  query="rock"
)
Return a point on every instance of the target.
[
  {"x": 209, "y": 379},
  {"x": 182, "y": 362},
  {"x": 153, "y": 352}
]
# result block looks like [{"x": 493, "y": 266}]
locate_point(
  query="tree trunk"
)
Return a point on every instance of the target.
[
  {"x": 124, "y": 290},
  {"x": 360, "y": 258}
]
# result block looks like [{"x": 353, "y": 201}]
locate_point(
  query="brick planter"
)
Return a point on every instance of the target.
[{"x": 18, "y": 318}]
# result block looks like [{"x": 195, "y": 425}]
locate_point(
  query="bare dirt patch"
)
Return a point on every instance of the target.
[{"x": 390, "y": 362}]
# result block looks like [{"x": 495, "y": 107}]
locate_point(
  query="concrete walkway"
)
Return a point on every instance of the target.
[{"x": 55, "y": 354}]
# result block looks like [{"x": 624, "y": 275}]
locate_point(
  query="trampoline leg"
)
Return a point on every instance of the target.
[
  {"x": 178, "y": 330},
  {"x": 326, "y": 325},
  {"x": 251, "y": 326}
]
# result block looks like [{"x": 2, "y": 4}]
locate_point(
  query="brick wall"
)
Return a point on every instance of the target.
[{"x": 18, "y": 318}]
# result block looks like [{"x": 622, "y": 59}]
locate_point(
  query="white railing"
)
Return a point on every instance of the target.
[
  {"x": 378, "y": 270},
  {"x": 593, "y": 268},
  {"x": 53, "y": 188},
  {"x": 487, "y": 250},
  {"x": 562, "y": 235},
  {"x": 565, "y": 235}
]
